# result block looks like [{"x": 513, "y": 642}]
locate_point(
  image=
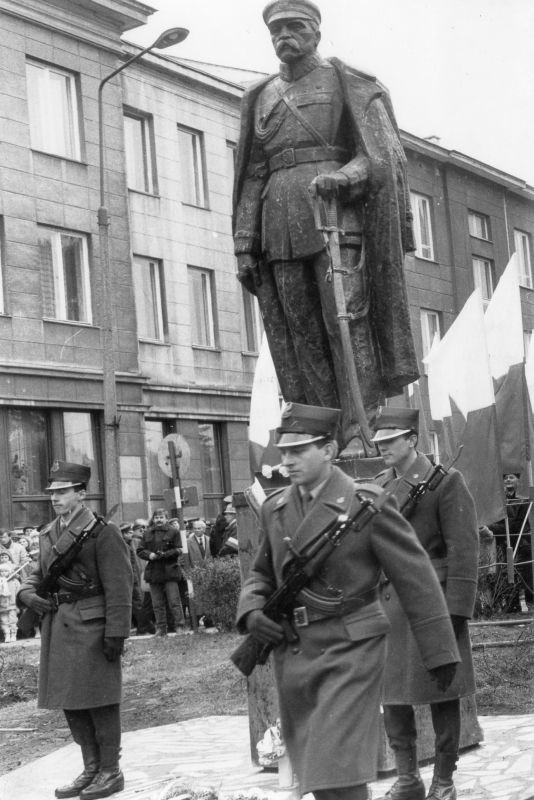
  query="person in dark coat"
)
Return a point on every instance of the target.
[
  {"x": 517, "y": 510},
  {"x": 161, "y": 548},
  {"x": 330, "y": 681},
  {"x": 446, "y": 525},
  {"x": 83, "y": 631},
  {"x": 322, "y": 129},
  {"x": 217, "y": 532}
]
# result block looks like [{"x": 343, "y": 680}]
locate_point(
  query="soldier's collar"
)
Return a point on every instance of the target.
[{"x": 292, "y": 72}]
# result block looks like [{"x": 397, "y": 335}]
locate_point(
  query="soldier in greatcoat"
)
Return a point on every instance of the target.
[
  {"x": 330, "y": 681},
  {"x": 321, "y": 127},
  {"x": 83, "y": 631},
  {"x": 446, "y": 525}
]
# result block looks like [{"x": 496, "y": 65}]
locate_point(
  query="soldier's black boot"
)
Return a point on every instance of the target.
[
  {"x": 109, "y": 778},
  {"x": 442, "y": 786},
  {"x": 91, "y": 763},
  {"x": 408, "y": 785}
]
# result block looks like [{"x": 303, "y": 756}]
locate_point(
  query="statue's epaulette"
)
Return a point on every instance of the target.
[{"x": 367, "y": 76}]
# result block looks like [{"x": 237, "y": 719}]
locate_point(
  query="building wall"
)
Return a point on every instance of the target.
[{"x": 55, "y": 368}]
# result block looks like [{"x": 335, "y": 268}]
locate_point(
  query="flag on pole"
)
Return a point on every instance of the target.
[
  {"x": 504, "y": 335},
  {"x": 264, "y": 411},
  {"x": 461, "y": 396}
]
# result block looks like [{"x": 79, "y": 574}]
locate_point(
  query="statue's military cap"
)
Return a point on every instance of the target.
[
  {"x": 301, "y": 424},
  {"x": 65, "y": 474},
  {"x": 393, "y": 422},
  {"x": 291, "y": 9}
]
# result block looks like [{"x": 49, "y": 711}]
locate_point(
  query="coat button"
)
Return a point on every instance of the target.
[
  {"x": 296, "y": 650},
  {"x": 387, "y": 596}
]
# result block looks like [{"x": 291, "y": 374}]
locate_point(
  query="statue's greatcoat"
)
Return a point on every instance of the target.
[
  {"x": 330, "y": 683},
  {"x": 273, "y": 214},
  {"x": 73, "y": 671},
  {"x": 446, "y": 525}
]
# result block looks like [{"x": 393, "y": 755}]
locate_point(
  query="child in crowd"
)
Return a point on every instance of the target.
[{"x": 9, "y": 586}]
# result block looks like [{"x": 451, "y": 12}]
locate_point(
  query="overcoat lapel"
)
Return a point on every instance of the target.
[{"x": 335, "y": 498}]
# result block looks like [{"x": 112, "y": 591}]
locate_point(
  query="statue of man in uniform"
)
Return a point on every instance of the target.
[{"x": 320, "y": 130}]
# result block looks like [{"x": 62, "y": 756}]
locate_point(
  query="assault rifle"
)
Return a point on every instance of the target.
[
  {"x": 49, "y": 585},
  {"x": 418, "y": 490},
  {"x": 298, "y": 574}
]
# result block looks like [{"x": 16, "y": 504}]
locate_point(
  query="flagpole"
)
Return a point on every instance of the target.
[{"x": 528, "y": 459}]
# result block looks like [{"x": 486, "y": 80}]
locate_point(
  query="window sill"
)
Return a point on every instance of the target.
[
  {"x": 62, "y": 157},
  {"x": 424, "y": 258},
  {"x": 480, "y": 238},
  {"x": 250, "y": 353},
  {"x": 204, "y": 347},
  {"x": 155, "y": 195},
  {"x": 71, "y": 322},
  {"x": 193, "y": 205},
  {"x": 521, "y": 286},
  {"x": 157, "y": 342}
]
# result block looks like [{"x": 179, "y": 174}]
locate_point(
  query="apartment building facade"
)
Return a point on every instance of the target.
[{"x": 184, "y": 336}]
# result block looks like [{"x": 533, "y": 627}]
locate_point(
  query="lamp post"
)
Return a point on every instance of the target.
[{"x": 111, "y": 424}]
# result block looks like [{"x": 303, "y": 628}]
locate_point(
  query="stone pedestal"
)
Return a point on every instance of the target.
[{"x": 262, "y": 695}]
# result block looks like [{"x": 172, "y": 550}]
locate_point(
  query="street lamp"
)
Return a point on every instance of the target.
[{"x": 111, "y": 453}]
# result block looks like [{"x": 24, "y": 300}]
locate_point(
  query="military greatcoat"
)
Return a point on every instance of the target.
[
  {"x": 446, "y": 525},
  {"x": 73, "y": 672},
  {"x": 330, "y": 682}
]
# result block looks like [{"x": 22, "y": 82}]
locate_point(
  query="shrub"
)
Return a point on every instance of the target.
[{"x": 217, "y": 585}]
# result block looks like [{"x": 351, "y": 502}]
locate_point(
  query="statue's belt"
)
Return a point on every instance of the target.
[
  {"x": 317, "y": 608},
  {"x": 292, "y": 156}
]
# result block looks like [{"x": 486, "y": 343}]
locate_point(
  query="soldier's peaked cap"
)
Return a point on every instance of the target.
[
  {"x": 65, "y": 474},
  {"x": 291, "y": 9},
  {"x": 301, "y": 424},
  {"x": 393, "y": 422}
]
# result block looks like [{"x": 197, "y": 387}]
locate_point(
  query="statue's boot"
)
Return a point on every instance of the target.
[
  {"x": 109, "y": 778},
  {"x": 442, "y": 786},
  {"x": 409, "y": 785},
  {"x": 91, "y": 763}
]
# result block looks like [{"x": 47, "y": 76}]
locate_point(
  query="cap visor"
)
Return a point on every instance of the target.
[
  {"x": 297, "y": 439},
  {"x": 384, "y": 434}
]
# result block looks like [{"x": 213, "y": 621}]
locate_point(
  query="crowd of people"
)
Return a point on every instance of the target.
[{"x": 160, "y": 600}]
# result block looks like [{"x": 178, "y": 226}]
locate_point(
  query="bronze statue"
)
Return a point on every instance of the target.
[{"x": 320, "y": 131}]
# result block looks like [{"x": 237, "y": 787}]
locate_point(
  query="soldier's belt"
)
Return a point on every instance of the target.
[
  {"x": 292, "y": 156},
  {"x": 73, "y": 597},
  {"x": 305, "y": 615}
]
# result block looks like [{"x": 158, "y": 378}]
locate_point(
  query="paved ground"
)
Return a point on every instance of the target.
[{"x": 215, "y": 751}]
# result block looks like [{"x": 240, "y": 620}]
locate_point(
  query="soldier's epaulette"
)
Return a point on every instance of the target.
[
  {"x": 367, "y": 486},
  {"x": 380, "y": 474},
  {"x": 274, "y": 494},
  {"x": 46, "y": 528}
]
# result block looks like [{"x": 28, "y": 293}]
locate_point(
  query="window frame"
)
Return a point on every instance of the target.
[
  {"x": 209, "y": 309},
  {"x": 158, "y": 297},
  {"x": 148, "y": 151},
  {"x": 197, "y": 193},
  {"x": 473, "y": 217},
  {"x": 58, "y": 280},
  {"x": 252, "y": 328},
  {"x": 427, "y": 340},
  {"x": 40, "y": 127},
  {"x": 524, "y": 269},
  {"x": 424, "y": 202},
  {"x": 491, "y": 274}
]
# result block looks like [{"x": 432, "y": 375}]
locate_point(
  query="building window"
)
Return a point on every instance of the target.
[
  {"x": 484, "y": 279},
  {"x": 479, "y": 225},
  {"x": 252, "y": 322},
  {"x": 139, "y": 152},
  {"x": 149, "y": 298},
  {"x": 527, "y": 339},
  {"x": 34, "y": 439},
  {"x": 53, "y": 110},
  {"x": 430, "y": 328},
  {"x": 65, "y": 275},
  {"x": 422, "y": 226},
  {"x": 158, "y": 481},
  {"x": 194, "y": 183},
  {"x": 231, "y": 151},
  {"x": 524, "y": 263},
  {"x": 211, "y": 466},
  {"x": 201, "y": 299},
  {"x": 434, "y": 445}
]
